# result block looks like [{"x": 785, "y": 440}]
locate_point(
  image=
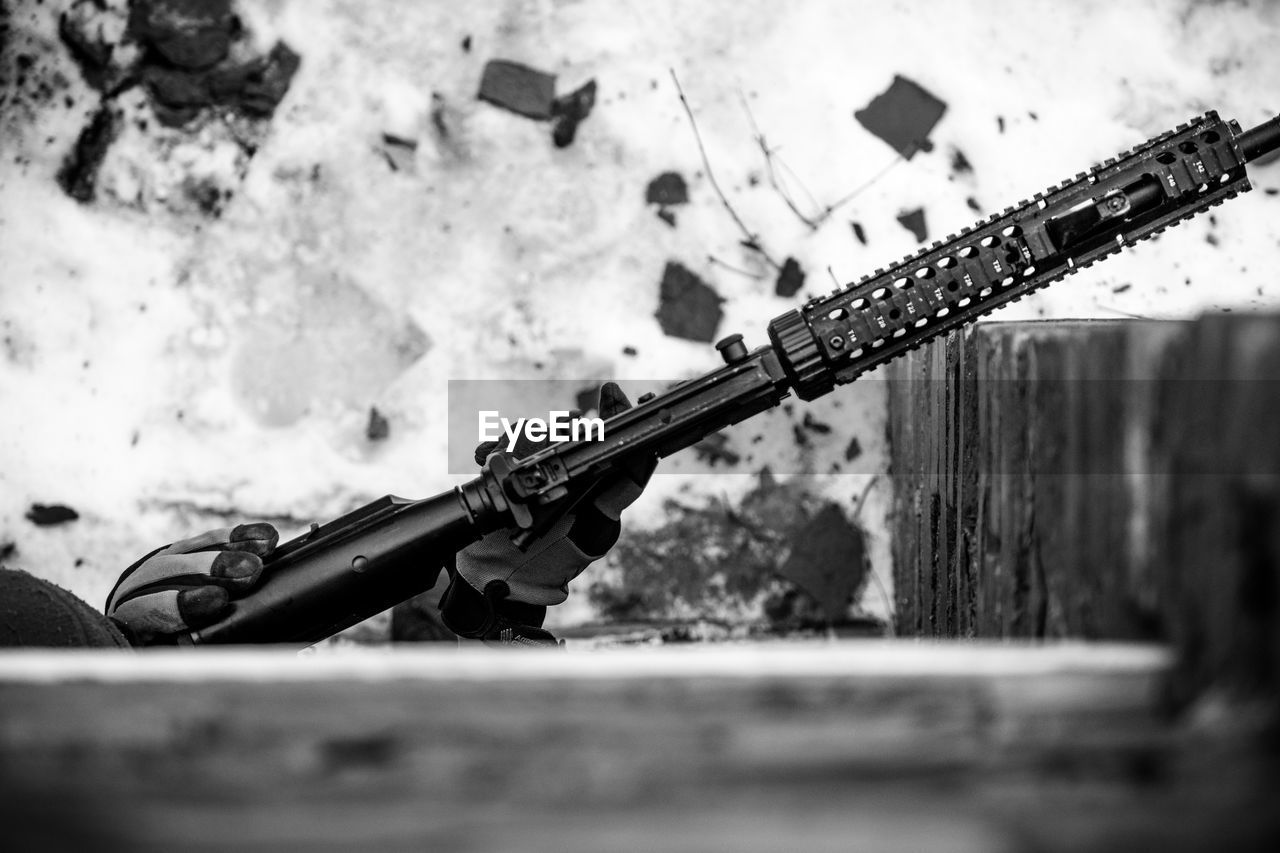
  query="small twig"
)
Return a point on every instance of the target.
[
  {"x": 769, "y": 155},
  {"x": 859, "y": 190},
  {"x": 862, "y": 499},
  {"x": 884, "y": 596},
  {"x": 783, "y": 164},
  {"x": 714, "y": 261},
  {"x": 751, "y": 241},
  {"x": 834, "y": 280},
  {"x": 871, "y": 571}
]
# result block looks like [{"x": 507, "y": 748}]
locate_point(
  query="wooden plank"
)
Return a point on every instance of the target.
[
  {"x": 1023, "y": 452},
  {"x": 1105, "y": 480},
  {"x": 848, "y": 746},
  {"x": 903, "y": 428}
]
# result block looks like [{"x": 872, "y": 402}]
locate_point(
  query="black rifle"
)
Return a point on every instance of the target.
[{"x": 362, "y": 563}]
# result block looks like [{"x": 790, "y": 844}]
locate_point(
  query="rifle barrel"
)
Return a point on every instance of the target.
[{"x": 1261, "y": 140}]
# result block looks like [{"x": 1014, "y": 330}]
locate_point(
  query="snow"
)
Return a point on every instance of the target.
[{"x": 166, "y": 370}]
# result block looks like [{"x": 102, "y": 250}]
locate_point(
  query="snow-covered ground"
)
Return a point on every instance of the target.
[{"x": 164, "y": 370}]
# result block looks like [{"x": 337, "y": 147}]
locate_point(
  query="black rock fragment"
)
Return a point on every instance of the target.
[
  {"x": 828, "y": 560},
  {"x": 913, "y": 221},
  {"x": 853, "y": 450},
  {"x": 1121, "y": 288},
  {"x": 78, "y": 176},
  {"x": 571, "y": 110},
  {"x": 466, "y": 44},
  {"x": 189, "y": 34},
  {"x": 518, "y": 88},
  {"x": 812, "y": 424},
  {"x": 177, "y": 96},
  {"x": 790, "y": 278},
  {"x": 207, "y": 196},
  {"x": 667, "y": 189},
  {"x": 438, "y": 115},
  {"x": 378, "y": 428},
  {"x": 903, "y": 116},
  {"x": 256, "y": 87},
  {"x": 399, "y": 152},
  {"x": 632, "y": 351},
  {"x": 91, "y": 53},
  {"x": 688, "y": 307},
  {"x": 859, "y": 233},
  {"x": 973, "y": 204},
  {"x": 186, "y": 68},
  {"x": 1000, "y": 123},
  {"x": 959, "y": 163},
  {"x": 45, "y": 515}
]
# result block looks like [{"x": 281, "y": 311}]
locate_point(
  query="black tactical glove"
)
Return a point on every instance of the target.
[
  {"x": 499, "y": 593},
  {"x": 189, "y": 584}
]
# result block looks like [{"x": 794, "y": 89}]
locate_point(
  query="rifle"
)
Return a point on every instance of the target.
[{"x": 358, "y": 565}]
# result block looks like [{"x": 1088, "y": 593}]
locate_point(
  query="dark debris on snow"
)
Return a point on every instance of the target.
[
  {"x": 790, "y": 278},
  {"x": 78, "y": 176},
  {"x": 913, "y": 221},
  {"x": 522, "y": 90},
  {"x": 828, "y": 560},
  {"x": 187, "y": 65},
  {"x": 688, "y": 307},
  {"x": 47, "y": 515},
  {"x": 903, "y": 116},
  {"x": 667, "y": 189},
  {"x": 532, "y": 93},
  {"x": 571, "y": 110},
  {"x": 378, "y": 428}
]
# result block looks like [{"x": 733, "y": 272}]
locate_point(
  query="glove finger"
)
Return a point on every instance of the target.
[
  {"x": 236, "y": 571},
  {"x": 258, "y": 538},
  {"x": 483, "y": 450},
  {"x": 170, "y": 611},
  {"x": 524, "y": 447},
  {"x": 612, "y": 400}
]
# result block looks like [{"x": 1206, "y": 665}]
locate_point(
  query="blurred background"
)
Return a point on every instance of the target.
[{"x": 235, "y": 284}]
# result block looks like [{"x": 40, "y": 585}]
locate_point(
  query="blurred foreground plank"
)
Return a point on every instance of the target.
[{"x": 841, "y": 746}]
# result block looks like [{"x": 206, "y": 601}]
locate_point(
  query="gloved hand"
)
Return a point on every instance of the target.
[
  {"x": 189, "y": 584},
  {"x": 499, "y": 593}
]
